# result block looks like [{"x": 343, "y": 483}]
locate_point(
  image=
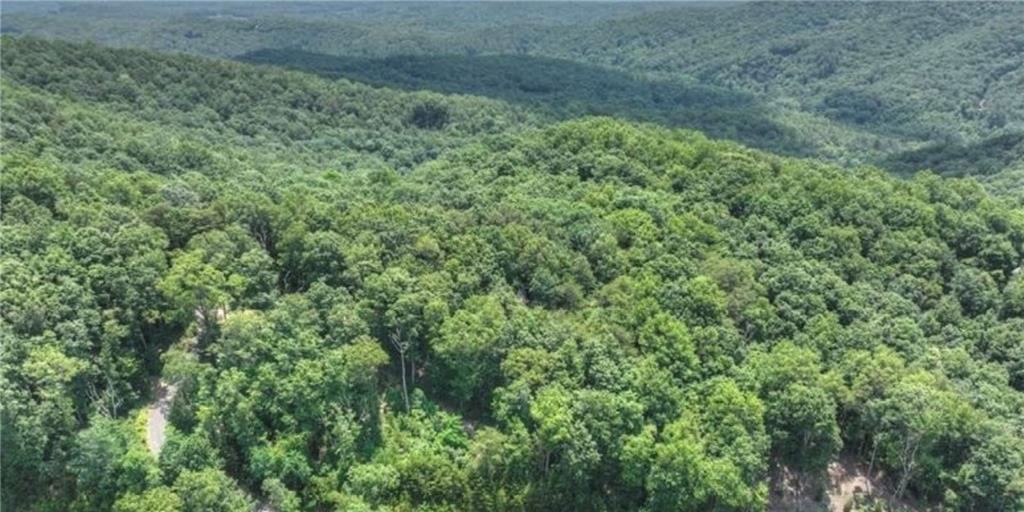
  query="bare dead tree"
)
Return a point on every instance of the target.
[
  {"x": 908, "y": 461},
  {"x": 107, "y": 401},
  {"x": 401, "y": 346}
]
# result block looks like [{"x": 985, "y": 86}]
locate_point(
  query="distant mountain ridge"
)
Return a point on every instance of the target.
[{"x": 903, "y": 85}]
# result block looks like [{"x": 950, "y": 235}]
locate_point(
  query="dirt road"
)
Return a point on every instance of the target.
[{"x": 156, "y": 421}]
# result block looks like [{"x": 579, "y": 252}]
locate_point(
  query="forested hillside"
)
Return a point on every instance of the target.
[
  {"x": 904, "y": 85},
  {"x": 377, "y": 300},
  {"x": 257, "y": 114}
]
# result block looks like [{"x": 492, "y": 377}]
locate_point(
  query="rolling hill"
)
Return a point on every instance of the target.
[
  {"x": 902, "y": 85},
  {"x": 379, "y": 300}
]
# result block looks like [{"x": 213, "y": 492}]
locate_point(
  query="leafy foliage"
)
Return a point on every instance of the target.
[
  {"x": 594, "y": 314},
  {"x": 905, "y": 85}
]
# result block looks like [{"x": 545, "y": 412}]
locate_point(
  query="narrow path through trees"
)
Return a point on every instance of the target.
[
  {"x": 156, "y": 416},
  {"x": 164, "y": 391}
]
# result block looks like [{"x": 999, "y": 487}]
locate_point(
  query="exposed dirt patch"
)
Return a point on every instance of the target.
[
  {"x": 834, "y": 490},
  {"x": 846, "y": 480}
]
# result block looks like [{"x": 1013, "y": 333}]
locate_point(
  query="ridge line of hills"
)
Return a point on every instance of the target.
[
  {"x": 906, "y": 86},
  {"x": 442, "y": 302}
]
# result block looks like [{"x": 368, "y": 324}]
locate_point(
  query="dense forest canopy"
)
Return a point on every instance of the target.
[
  {"x": 904, "y": 85},
  {"x": 413, "y": 275}
]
